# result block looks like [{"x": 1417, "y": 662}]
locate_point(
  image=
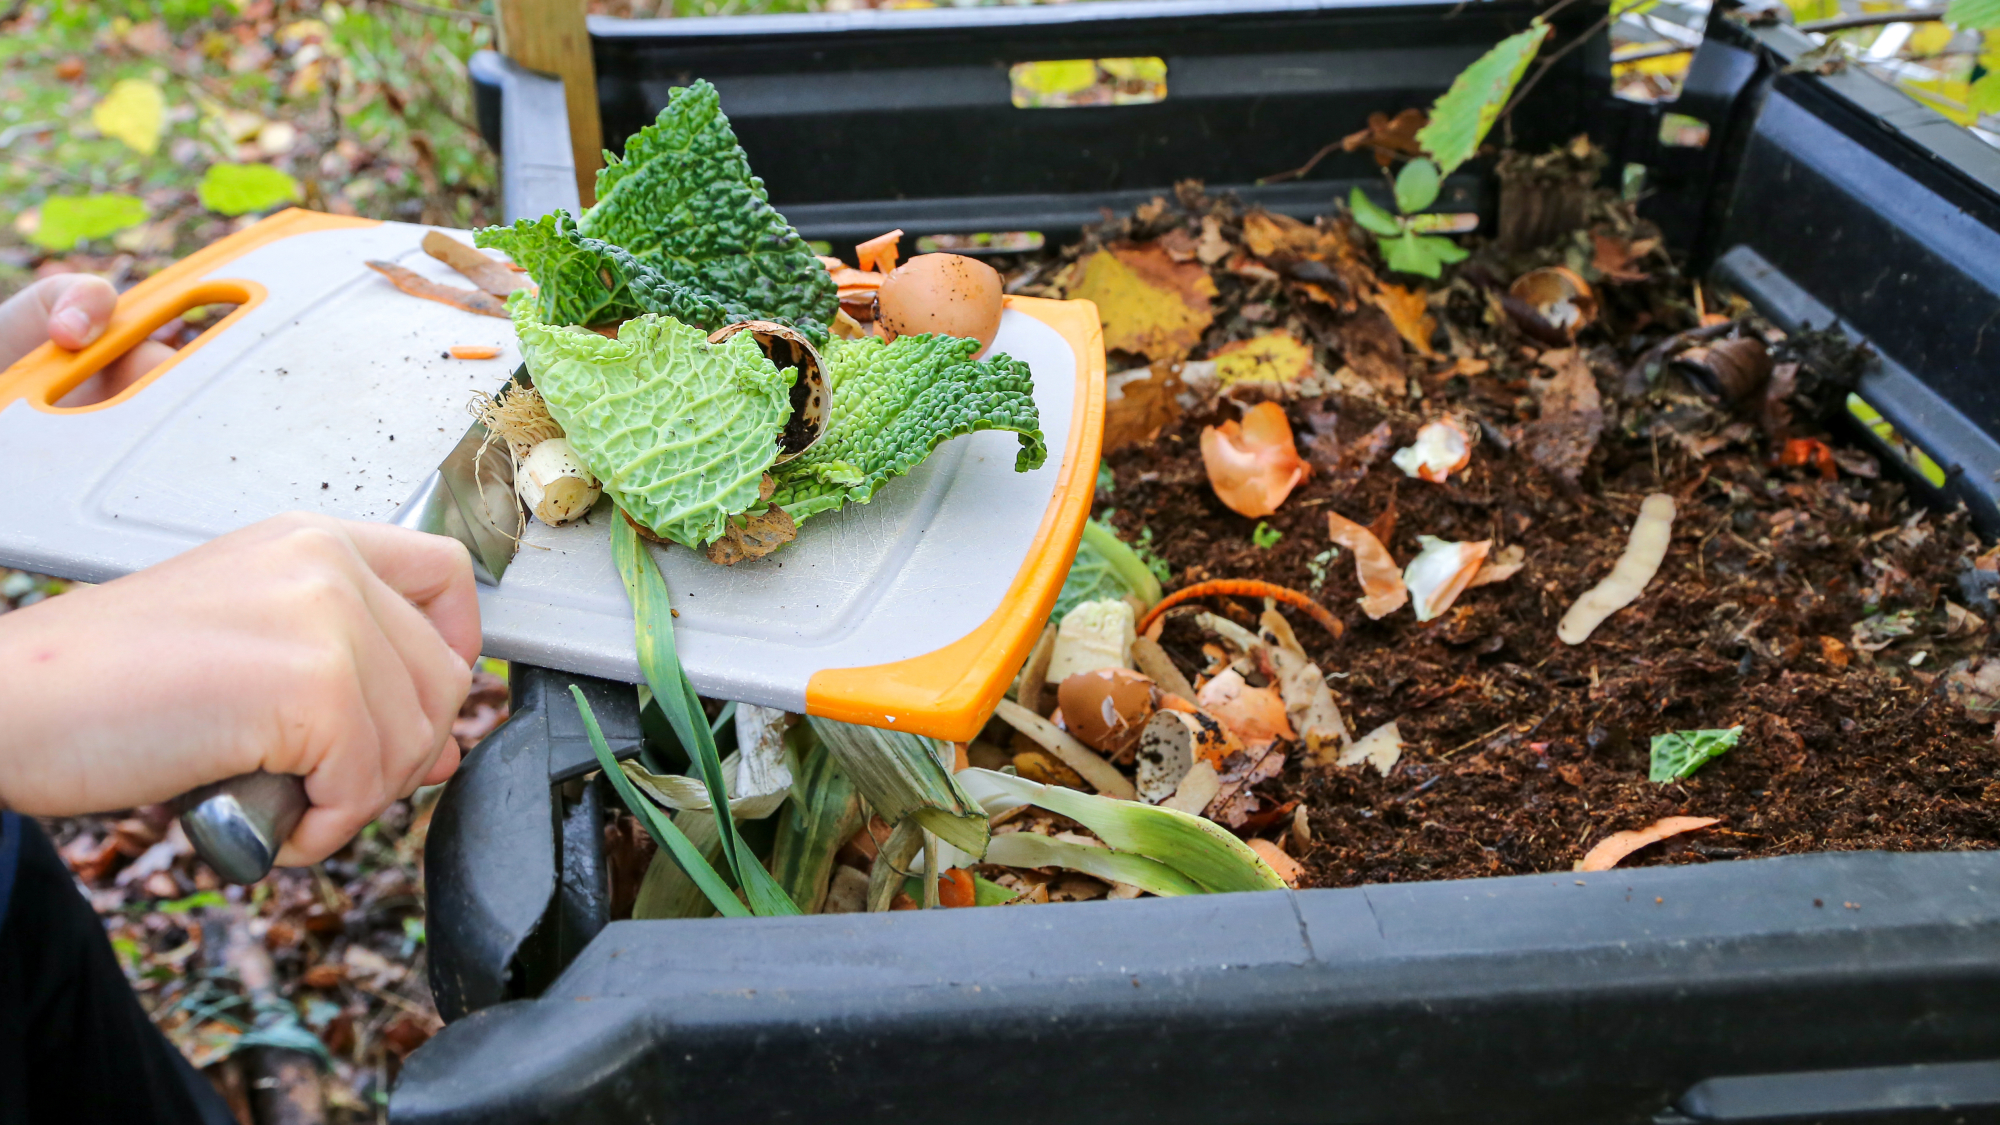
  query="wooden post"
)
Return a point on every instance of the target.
[{"x": 550, "y": 36}]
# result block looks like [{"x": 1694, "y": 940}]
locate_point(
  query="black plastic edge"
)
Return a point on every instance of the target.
[{"x": 1600, "y": 997}]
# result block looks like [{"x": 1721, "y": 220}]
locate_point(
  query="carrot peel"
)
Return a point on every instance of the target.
[{"x": 1244, "y": 588}]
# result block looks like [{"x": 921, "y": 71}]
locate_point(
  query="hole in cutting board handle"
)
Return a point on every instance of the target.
[{"x": 142, "y": 343}]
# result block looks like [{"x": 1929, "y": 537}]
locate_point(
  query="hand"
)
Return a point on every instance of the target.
[
  {"x": 306, "y": 645},
  {"x": 73, "y": 309}
]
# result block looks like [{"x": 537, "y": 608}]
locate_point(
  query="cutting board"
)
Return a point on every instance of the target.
[{"x": 328, "y": 390}]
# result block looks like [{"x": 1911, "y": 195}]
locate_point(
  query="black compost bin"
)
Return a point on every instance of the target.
[{"x": 1744, "y": 991}]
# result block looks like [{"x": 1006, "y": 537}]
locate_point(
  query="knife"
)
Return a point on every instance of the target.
[{"x": 238, "y": 825}]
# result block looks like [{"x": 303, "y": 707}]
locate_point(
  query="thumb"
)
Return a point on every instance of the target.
[{"x": 71, "y": 309}]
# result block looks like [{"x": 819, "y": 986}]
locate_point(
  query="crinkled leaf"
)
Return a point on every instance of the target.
[
  {"x": 1463, "y": 114},
  {"x": 1106, "y": 567},
  {"x": 1416, "y": 186},
  {"x": 682, "y": 200},
  {"x": 1974, "y": 13},
  {"x": 680, "y": 431},
  {"x": 893, "y": 404},
  {"x": 1680, "y": 753},
  {"x": 69, "y": 219},
  {"x": 590, "y": 281},
  {"x": 1425, "y": 254},
  {"x": 239, "y": 189},
  {"x": 1371, "y": 216}
]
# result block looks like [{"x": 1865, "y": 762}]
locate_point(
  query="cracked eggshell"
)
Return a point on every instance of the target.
[
  {"x": 1441, "y": 449},
  {"x": 812, "y": 400},
  {"x": 948, "y": 293},
  {"x": 1107, "y": 709},
  {"x": 1557, "y": 295}
]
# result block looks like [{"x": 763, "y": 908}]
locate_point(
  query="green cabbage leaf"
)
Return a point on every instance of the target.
[
  {"x": 894, "y": 403},
  {"x": 679, "y": 430}
]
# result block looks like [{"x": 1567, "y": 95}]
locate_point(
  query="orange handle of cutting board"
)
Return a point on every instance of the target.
[
  {"x": 951, "y": 693},
  {"x": 45, "y": 375}
]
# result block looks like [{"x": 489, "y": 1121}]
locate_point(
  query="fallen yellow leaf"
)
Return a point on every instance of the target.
[
  {"x": 1150, "y": 304},
  {"x": 1276, "y": 357},
  {"x": 1410, "y": 314},
  {"x": 134, "y": 112}
]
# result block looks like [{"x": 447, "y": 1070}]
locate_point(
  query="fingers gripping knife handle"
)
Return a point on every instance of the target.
[{"x": 238, "y": 825}]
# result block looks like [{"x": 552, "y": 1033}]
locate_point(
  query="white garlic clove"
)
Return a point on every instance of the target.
[{"x": 553, "y": 483}]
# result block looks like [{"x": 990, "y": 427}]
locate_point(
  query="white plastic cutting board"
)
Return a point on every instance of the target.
[{"x": 332, "y": 395}]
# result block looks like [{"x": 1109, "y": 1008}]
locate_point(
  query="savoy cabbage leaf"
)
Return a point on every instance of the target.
[
  {"x": 680, "y": 431},
  {"x": 1678, "y": 754},
  {"x": 682, "y": 200},
  {"x": 894, "y": 403}
]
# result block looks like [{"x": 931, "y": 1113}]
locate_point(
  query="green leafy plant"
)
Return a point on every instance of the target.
[
  {"x": 239, "y": 189},
  {"x": 1459, "y": 121},
  {"x": 69, "y": 219},
  {"x": 1678, "y": 754},
  {"x": 1265, "y": 536}
]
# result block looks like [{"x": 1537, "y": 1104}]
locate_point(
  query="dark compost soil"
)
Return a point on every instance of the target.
[{"x": 1520, "y": 752}]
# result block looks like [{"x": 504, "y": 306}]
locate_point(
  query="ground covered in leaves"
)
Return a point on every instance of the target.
[{"x": 1805, "y": 596}]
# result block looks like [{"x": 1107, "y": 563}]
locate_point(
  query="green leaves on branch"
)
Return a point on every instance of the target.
[
  {"x": 1680, "y": 753},
  {"x": 1462, "y": 116},
  {"x": 1402, "y": 247},
  {"x": 1417, "y": 186}
]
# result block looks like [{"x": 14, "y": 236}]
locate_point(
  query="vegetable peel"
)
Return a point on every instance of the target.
[
  {"x": 1253, "y": 466},
  {"x": 1645, "y": 550},
  {"x": 1608, "y": 851},
  {"x": 1383, "y": 590},
  {"x": 1441, "y": 572}
]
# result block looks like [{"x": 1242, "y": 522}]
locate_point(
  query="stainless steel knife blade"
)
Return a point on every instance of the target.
[
  {"x": 238, "y": 825},
  {"x": 470, "y": 497}
]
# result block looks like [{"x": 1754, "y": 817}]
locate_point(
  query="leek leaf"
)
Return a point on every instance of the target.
[
  {"x": 901, "y": 777},
  {"x": 660, "y": 662},
  {"x": 665, "y": 832}
]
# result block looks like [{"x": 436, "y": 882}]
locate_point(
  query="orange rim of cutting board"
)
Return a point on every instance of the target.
[
  {"x": 45, "y": 375},
  {"x": 951, "y": 692}
]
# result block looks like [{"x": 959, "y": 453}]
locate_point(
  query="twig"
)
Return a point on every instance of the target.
[
  {"x": 445, "y": 13},
  {"x": 1651, "y": 51},
  {"x": 1872, "y": 19},
  {"x": 1549, "y": 62},
  {"x": 1300, "y": 171}
]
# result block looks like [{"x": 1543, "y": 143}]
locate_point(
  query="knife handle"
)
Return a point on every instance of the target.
[{"x": 238, "y": 825}]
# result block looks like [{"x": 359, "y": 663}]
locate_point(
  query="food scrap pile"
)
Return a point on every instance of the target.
[{"x": 1582, "y": 547}]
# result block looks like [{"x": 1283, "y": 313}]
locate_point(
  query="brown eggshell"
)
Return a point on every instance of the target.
[
  {"x": 1107, "y": 708},
  {"x": 947, "y": 293},
  {"x": 1559, "y": 297}
]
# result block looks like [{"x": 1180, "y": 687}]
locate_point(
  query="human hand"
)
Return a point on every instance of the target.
[
  {"x": 306, "y": 645},
  {"x": 73, "y": 310}
]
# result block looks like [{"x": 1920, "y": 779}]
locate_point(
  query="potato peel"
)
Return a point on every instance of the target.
[
  {"x": 1253, "y": 466},
  {"x": 1381, "y": 579},
  {"x": 1645, "y": 550}
]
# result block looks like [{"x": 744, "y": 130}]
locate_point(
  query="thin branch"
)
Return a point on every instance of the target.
[
  {"x": 1651, "y": 51},
  {"x": 1873, "y": 19},
  {"x": 446, "y": 13},
  {"x": 1300, "y": 172},
  {"x": 1549, "y": 62}
]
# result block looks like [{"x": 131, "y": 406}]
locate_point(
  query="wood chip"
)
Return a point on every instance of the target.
[
  {"x": 490, "y": 275},
  {"x": 417, "y": 285}
]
